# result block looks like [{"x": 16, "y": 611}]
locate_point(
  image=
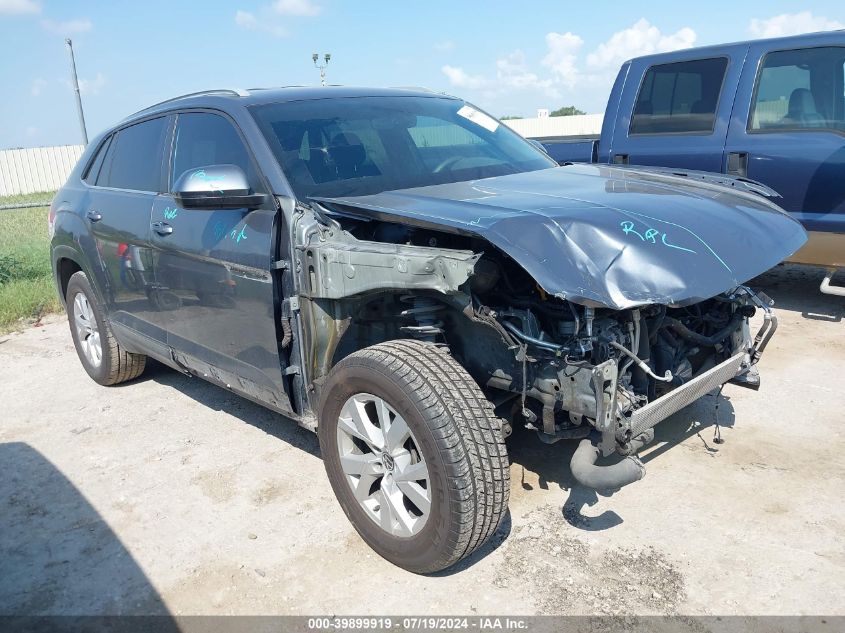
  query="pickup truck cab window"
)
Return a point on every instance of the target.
[
  {"x": 800, "y": 89},
  {"x": 366, "y": 145},
  {"x": 133, "y": 159},
  {"x": 679, "y": 98},
  {"x": 203, "y": 139}
]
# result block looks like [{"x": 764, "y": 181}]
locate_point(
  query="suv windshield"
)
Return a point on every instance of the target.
[{"x": 365, "y": 145}]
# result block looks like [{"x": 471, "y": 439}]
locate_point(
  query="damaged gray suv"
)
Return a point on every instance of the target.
[{"x": 406, "y": 276}]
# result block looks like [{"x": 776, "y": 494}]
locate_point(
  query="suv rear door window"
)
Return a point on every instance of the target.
[
  {"x": 800, "y": 89},
  {"x": 133, "y": 160},
  {"x": 204, "y": 139},
  {"x": 679, "y": 98}
]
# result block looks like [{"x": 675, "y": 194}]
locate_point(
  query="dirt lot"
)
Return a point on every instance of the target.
[{"x": 171, "y": 495}]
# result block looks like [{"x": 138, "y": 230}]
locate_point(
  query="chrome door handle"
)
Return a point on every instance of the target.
[
  {"x": 94, "y": 216},
  {"x": 162, "y": 228}
]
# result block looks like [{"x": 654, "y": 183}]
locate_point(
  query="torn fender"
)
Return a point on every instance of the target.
[
  {"x": 345, "y": 269},
  {"x": 603, "y": 236}
]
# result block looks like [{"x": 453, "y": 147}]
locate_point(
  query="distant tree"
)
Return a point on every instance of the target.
[
  {"x": 509, "y": 117},
  {"x": 566, "y": 111}
]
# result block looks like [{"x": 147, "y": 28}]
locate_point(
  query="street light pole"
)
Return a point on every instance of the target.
[
  {"x": 75, "y": 83},
  {"x": 327, "y": 57}
]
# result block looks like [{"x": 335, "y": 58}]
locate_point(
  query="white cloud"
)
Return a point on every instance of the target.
[
  {"x": 68, "y": 27},
  {"x": 562, "y": 55},
  {"x": 37, "y": 87},
  {"x": 643, "y": 38},
  {"x": 296, "y": 7},
  {"x": 565, "y": 74},
  {"x": 19, "y": 7},
  {"x": 459, "y": 78},
  {"x": 248, "y": 21},
  {"x": 444, "y": 46},
  {"x": 92, "y": 86},
  {"x": 512, "y": 72},
  {"x": 792, "y": 24}
]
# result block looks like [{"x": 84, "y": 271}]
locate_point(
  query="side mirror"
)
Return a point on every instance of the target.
[{"x": 216, "y": 187}]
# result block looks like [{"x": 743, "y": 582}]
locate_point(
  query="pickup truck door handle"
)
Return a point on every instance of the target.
[
  {"x": 162, "y": 228},
  {"x": 620, "y": 159},
  {"x": 738, "y": 164},
  {"x": 94, "y": 216}
]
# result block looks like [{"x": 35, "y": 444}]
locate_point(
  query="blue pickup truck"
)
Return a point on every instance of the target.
[{"x": 772, "y": 111}]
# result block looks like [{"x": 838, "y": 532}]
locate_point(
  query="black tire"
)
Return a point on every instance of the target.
[
  {"x": 116, "y": 365},
  {"x": 458, "y": 435}
]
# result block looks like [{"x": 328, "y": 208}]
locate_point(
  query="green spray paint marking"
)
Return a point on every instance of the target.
[
  {"x": 238, "y": 236},
  {"x": 213, "y": 182},
  {"x": 170, "y": 214}
]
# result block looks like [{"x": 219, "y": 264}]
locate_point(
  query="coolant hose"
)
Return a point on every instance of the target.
[
  {"x": 684, "y": 332},
  {"x": 611, "y": 477}
]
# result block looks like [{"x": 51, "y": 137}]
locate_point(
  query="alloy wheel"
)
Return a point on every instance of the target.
[{"x": 383, "y": 465}]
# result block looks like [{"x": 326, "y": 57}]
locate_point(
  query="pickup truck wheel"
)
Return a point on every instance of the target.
[
  {"x": 101, "y": 355},
  {"x": 414, "y": 454}
]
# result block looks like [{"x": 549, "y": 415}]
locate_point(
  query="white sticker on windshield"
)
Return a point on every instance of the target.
[{"x": 479, "y": 118}]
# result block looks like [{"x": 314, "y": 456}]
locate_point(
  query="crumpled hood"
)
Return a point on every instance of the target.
[{"x": 606, "y": 236}]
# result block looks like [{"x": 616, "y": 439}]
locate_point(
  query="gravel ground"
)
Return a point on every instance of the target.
[{"x": 170, "y": 495}]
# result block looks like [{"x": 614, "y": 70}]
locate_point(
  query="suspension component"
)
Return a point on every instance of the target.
[{"x": 424, "y": 311}]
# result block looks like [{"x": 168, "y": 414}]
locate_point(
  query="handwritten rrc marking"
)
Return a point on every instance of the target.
[
  {"x": 170, "y": 214},
  {"x": 650, "y": 236}
]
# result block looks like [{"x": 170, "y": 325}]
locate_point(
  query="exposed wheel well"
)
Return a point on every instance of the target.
[{"x": 65, "y": 268}]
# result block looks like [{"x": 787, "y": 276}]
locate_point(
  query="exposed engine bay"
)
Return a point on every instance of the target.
[{"x": 563, "y": 369}]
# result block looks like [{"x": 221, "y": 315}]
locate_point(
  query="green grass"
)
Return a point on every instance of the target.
[
  {"x": 45, "y": 197},
  {"x": 26, "y": 282}
]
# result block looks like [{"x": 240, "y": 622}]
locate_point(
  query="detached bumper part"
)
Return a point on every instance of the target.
[
  {"x": 641, "y": 423},
  {"x": 654, "y": 412}
]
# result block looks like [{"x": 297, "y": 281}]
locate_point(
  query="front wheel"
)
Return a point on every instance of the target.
[
  {"x": 414, "y": 454},
  {"x": 99, "y": 352}
]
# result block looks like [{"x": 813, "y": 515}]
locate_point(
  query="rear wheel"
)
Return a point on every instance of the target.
[
  {"x": 414, "y": 454},
  {"x": 99, "y": 352}
]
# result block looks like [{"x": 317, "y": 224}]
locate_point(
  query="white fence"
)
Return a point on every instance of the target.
[
  {"x": 36, "y": 169},
  {"x": 555, "y": 126},
  {"x": 47, "y": 168}
]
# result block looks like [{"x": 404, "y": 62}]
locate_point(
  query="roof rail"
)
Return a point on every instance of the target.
[
  {"x": 417, "y": 88},
  {"x": 235, "y": 92}
]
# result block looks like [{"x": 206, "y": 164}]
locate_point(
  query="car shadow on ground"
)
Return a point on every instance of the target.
[
  {"x": 796, "y": 288},
  {"x": 287, "y": 430},
  {"x": 58, "y": 557},
  {"x": 219, "y": 399},
  {"x": 550, "y": 463}
]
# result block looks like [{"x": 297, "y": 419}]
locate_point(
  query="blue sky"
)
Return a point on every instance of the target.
[{"x": 507, "y": 57}]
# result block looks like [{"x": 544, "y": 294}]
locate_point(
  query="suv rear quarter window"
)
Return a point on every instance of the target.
[
  {"x": 94, "y": 167},
  {"x": 679, "y": 98},
  {"x": 133, "y": 159}
]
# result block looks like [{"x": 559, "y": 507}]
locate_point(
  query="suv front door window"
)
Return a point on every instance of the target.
[{"x": 213, "y": 268}]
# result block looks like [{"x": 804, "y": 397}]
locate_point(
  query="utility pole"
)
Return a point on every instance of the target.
[
  {"x": 75, "y": 83},
  {"x": 327, "y": 57}
]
